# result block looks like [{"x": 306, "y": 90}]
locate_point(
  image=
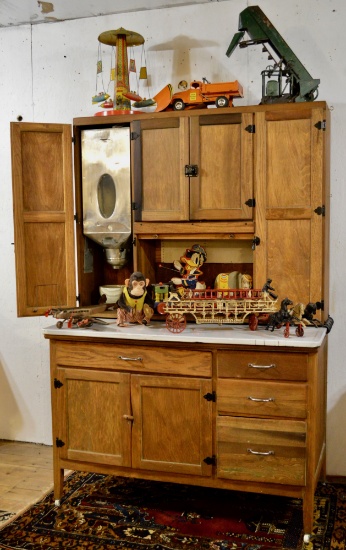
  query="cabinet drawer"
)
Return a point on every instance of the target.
[
  {"x": 258, "y": 398},
  {"x": 262, "y": 365},
  {"x": 271, "y": 451},
  {"x": 134, "y": 358}
]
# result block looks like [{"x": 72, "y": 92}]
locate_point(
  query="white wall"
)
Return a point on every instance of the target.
[{"x": 49, "y": 75}]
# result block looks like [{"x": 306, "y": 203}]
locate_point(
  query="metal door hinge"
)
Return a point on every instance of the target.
[
  {"x": 78, "y": 298},
  {"x": 210, "y": 460},
  {"x": 75, "y": 217},
  {"x": 59, "y": 443},
  {"x": 134, "y": 206},
  {"x": 73, "y": 139},
  {"x": 320, "y": 210},
  {"x": 210, "y": 396},
  {"x": 134, "y": 135},
  {"x": 57, "y": 383},
  {"x": 250, "y": 202},
  {"x": 321, "y": 125},
  {"x": 251, "y": 128},
  {"x": 191, "y": 170},
  {"x": 255, "y": 242}
]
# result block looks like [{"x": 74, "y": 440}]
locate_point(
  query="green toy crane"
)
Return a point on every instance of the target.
[{"x": 286, "y": 80}]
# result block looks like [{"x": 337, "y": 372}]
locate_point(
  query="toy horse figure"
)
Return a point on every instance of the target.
[{"x": 280, "y": 317}]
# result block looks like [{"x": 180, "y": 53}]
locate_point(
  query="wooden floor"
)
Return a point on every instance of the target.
[{"x": 26, "y": 474}]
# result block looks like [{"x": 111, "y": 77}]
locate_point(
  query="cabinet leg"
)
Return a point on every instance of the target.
[
  {"x": 58, "y": 484},
  {"x": 308, "y": 514}
]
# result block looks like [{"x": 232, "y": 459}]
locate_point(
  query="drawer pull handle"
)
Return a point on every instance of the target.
[
  {"x": 130, "y": 358},
  {"x": 267, "y": 453},
  {"x": 252, "y": 366},
  {"x": 128, "y": 417},
  {"x": 261, "y": 399}
]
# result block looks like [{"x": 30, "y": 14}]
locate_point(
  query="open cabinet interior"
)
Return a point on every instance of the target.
[
  {"x": 156, "y": 258},
  {"x": 155, "y": 245}
]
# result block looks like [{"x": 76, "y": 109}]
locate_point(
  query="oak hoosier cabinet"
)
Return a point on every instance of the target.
[{"x": 251, "y": 184}]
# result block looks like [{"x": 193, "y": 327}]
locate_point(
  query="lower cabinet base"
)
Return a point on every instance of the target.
[
  {"x": 235, "y": 417},
  {"x": 305, "y": 493}
]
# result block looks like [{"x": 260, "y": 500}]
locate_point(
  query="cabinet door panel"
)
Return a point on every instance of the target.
[
  {"x": 172, "y": 429},
  {"x": 93, "y": 406},
  {"x": 43, "y": 217},
  {"x": 289, "y": 190},
  {"x": 161, "y": 190},
  {"x": 222, "y": 148}
]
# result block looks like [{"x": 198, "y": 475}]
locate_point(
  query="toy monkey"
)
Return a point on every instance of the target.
[{"x": 135, "y": 304}]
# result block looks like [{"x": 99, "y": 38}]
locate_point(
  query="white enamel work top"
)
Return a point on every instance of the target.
[{"x": 193, "y": 333}]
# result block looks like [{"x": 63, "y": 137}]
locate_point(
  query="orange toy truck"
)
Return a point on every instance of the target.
[{"x": 203, "y": 93}]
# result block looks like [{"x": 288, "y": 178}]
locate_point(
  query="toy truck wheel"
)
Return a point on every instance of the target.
[
  {"x": 253, "y": 321},
  {"x": 161, "y": 308},
  {"x": 178, "y": 105},
  {"x": 222, "y": 101},
  {"x": 176, "y": 322},
  {"x": 300, "y": 330}
]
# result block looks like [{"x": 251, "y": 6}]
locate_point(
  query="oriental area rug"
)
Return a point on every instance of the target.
[{"x": 100, "y": 512}]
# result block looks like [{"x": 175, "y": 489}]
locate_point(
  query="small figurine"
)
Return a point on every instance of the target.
[
  {"x": 234, "y": 279},
  {"x": 267, "y": 290},
  {"x": 189, "y": 268},
  {"x": 280, "y": 317},
  {"x": 135, "y": 304}
]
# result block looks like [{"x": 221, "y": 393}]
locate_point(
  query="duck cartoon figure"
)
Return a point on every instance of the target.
[{"x": 189, "y": 268}]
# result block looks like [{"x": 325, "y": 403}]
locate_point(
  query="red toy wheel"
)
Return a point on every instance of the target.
[
  {"x": 287, "y": 330},
  {"x": 253, "y": 322},
  {"x": 176, "y": 322},
  {"x": 300, "y": 330},
  {"x": 161, "y": 308}
]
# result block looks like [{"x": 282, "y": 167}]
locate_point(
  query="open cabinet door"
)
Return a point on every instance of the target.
[{"x": 43, "y": 217}]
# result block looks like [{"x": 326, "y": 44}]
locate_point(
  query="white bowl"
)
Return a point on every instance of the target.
[{"x": 112, "y": 292}]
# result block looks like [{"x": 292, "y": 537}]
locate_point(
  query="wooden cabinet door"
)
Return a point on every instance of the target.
[
  {"x": 160, "y": 151},
  {"x": 220, "y": 146},
  {"x": 172, "y": 427},
  {"x": 222, "y": 149},
  {"x": 290, "y": 172},
  {"x": 43, "y": 217},
  {"x": 94, "y": 413}
]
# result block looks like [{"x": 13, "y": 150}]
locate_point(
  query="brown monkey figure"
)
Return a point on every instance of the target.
[{"x": 135, "y": 305}]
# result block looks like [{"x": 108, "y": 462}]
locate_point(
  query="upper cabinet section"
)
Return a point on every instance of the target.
[
  {"x": 193, "y": 168},
  {"x": 249, "y": 174},
  {"x": 43, "y": 214}
]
